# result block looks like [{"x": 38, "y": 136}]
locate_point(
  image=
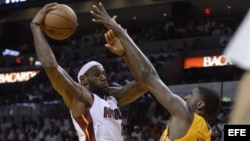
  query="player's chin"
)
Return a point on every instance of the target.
[
  {"x": 105, "y": 85},
  {"x": 105, "y": 90}
]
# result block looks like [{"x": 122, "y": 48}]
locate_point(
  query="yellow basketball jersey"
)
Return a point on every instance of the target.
[{"x": 198, "y": 131}]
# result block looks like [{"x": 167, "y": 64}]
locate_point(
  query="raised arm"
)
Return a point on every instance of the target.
[
  {"x": 141, "y": 66},
  {"x": 134, "y": 89},
  {"x": 59, "y": 78}
]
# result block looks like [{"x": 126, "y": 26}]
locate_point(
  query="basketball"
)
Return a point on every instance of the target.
[{"x": 60, "y": 23}]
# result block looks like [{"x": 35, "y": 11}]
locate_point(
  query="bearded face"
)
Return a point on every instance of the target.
[
  {"x": 100, "y": 90},
  {"x": 96, "y": 81}
]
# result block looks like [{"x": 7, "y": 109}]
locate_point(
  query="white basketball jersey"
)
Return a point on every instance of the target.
[{"x": 101, "y": 123}]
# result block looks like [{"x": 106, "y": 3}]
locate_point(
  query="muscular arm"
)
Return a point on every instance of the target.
[
  {"x": 143, "y": 70},
  {"x": 128, "y": 93},
  {"x": 61, "y": 81},
  {"x": 133, "y": 90}
]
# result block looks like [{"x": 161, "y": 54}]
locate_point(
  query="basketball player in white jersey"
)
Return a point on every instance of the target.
[{"x": 93, "y": 104}]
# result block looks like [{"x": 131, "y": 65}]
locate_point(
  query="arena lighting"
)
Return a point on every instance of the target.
[
  {"x": 6, "y": 5},
  {"x": 37, "y": 63},
  {"x": 6, "y": 2},
  {"x": 15, "y": 77},
  {"x": 13, "y": 2},
  {"x": 207, "y": 11},
  {"x": 10, "y": 52},
  {"x": 206, "y": 61}
]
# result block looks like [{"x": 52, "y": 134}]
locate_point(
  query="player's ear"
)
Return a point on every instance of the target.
[
  {"x": 201, "y": 105},
  {"x": 83, "y": 80}
]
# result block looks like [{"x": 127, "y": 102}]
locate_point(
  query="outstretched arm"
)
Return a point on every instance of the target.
[
  {"x": 141, "y": 66},
  {"x": 134, "y": 89},
  {"x": 59, "y": 78}
]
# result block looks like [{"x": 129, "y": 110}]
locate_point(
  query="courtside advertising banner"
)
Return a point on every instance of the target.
[
  {"x": 206, "y": 61},
  {"x": 14, "y": 77}
]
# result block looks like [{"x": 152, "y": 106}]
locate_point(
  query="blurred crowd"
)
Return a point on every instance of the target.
[
  {"x": 221, "y": 28},
  {"x": 144, "y": 119}
]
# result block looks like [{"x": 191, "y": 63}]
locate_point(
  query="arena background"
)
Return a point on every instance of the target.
[{"x": 166, "y": 30}]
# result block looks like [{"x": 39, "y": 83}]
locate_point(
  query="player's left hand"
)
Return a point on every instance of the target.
[
  {"x": 113, "y": 43},
  {"x": 101, "y": 16}
]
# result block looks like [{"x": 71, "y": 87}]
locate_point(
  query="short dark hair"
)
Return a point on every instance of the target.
[{"x": 212, "y": 100}]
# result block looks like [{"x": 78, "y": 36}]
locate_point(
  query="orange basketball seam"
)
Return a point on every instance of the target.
[
  {"x": 63, "y": 18},
  {"x": 58, "y": 27},
  {"x": 61, "y": 23}
]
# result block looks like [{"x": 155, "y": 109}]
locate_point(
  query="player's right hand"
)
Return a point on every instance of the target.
[{"x": 39, "y": 17}]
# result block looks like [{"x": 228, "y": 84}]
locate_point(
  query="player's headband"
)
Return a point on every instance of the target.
[{"x": 86, "y": 67}]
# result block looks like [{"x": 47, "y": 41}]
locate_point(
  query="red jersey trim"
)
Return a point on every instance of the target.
[{"x": 86, "y": 123}]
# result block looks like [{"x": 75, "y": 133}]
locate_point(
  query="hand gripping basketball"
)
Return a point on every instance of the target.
[{"x": 60, "y": 23}]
